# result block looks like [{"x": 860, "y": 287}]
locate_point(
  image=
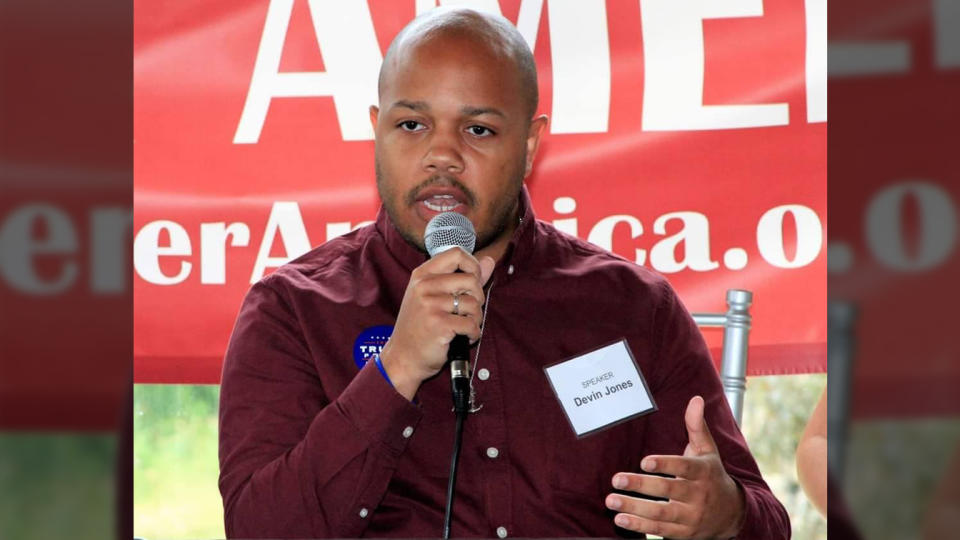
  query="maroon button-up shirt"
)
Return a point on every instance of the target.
[{"x": 313, "y": 446}]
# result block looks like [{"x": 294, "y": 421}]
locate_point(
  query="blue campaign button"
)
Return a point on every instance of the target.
[{"x": 370, "y": 342}]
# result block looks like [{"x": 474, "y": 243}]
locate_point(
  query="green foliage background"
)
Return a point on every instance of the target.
[
  {"x": 175, "y": 454},
  {"x": 57, "y": 485},
  {"x": 175, "y": 465}
]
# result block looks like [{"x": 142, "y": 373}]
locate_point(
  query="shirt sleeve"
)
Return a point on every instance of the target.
[
  {"x": 685, "y": 369},
  {"x": 294, "y": 463}
]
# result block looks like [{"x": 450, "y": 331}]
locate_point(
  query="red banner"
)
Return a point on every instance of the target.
[
  {"x": 690, "y": 139},
  {"x": 895, "y": 77}
]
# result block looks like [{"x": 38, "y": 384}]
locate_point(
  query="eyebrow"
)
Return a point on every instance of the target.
[
  {"x": 414, "y": 105},
  {"x": 466, "y": 110}
]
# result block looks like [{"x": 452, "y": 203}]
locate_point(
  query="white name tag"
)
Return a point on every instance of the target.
[{"x": 600, "y": 388}]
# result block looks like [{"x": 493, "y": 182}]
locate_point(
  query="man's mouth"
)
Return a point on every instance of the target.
[
  {"x": 438, "y": 195},
  {"x": 441, "y": 203}
]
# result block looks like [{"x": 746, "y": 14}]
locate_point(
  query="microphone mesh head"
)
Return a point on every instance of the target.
[{"x": 447, "y": 230}]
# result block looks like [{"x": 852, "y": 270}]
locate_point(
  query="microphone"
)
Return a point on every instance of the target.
[{"x": 448, "y": 230}]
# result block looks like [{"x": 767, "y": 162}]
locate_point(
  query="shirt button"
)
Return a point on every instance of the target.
[
  {"x": 509, "y": 272},
  {"x": 484, "y": 374},
  {"x": 364, "y": 512},
  {"x": 492, "y": 452},
  {"x": 407, "y": 432},
  {"x": 502, "y": 532}
]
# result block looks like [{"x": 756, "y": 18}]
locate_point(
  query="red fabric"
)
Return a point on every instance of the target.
[{"x": 307, "y": 442}]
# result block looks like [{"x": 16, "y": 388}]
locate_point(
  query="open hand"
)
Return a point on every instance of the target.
[{"x": 703, "y": 501}]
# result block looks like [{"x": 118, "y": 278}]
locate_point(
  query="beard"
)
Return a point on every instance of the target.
[{"x": 503, "y": 208}]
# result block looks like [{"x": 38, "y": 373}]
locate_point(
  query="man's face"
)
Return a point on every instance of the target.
[{"x": 452, "y": 134}]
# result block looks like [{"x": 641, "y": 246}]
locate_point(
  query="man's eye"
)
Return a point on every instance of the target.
[
  {"x": 410, "y": 125},
  {"x": 480, "y": 131}
]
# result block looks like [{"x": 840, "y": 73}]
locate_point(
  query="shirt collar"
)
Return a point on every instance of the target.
[
  {"x": 521, "y": 244},
  {"x": 408, "y": 256},
  {"x": 524, "y": 237}
]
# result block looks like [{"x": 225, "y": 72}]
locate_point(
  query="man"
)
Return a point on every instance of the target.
[{"x": 312, "y": 445}]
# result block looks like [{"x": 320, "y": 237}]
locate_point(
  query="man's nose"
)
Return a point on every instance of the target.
[{"x": 444, "y": 153}]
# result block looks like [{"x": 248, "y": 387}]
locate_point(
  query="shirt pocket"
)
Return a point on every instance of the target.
[{"x": 586, "y": 465}]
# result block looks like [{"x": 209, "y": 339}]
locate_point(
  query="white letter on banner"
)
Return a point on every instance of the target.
[
  {"x": 673, "y": 56},
  {"x": 351, "y": 55},
  {"x": 770, "y": 236},
  {"x": 213, "y": 249},
  {"x": 284, "y": 217},
  {"x": 938, "y": 229},
  {"x": 816, "y": 61},
  {"x": 565, "y": 205},
  {"x": 854, "y": 58},
  {"x": 147, "y": 252},
  {"x": 19, "y": 248},
  {"x": 528, "y": 20},
  {"x": 695, "y": 236},
  {"x": 602, "y": 234},
  {"x": 108, "y": 239},
  {"x": 580, "y": 54},
  {"x": 946, "y": 20}
]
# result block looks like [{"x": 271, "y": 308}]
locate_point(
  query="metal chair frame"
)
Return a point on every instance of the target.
[{"x": 736, "y": 338}]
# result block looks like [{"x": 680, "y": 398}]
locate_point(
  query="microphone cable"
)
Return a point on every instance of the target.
[
  {"x": 460, "y": 385},
  {"x": 452, "y": 482}
]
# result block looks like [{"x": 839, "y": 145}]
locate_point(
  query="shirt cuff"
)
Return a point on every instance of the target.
[
  {"x": 751, "y": 511},
  {"x": 378, "y": 410}
]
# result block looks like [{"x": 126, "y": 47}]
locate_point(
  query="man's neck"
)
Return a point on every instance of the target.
[{"x": 496, "y": 249}]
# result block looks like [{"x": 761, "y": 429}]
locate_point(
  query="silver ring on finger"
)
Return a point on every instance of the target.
[{"x": 456, "y": 304}]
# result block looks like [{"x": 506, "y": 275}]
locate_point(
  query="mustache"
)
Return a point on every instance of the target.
[{"x": 447, "y": 181}]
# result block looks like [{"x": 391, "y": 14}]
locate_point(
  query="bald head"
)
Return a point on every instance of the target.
[{"x": 487, "y": 34}]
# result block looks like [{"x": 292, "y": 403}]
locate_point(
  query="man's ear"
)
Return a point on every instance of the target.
[
  {"x": 537, "y": 126},
  {"x": 374, "y": 115}
]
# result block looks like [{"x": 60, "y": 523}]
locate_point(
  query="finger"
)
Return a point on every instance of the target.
[
  {"x": 441, "y": 328},
  {"x": 452, "y": 260},
  {"x": 697, "y": 430},
  {"x": 464, "y": 326},
  {"x": 649, "y": 526},
  {"x": 450, "y": 284},
  {"x": 677, "y": 489},
  {"x": 468, "y": 306},
  {"x": 690, "y": 468},
  {"x": 665, "y": 511},
  {"x": 486, "y": 269}
]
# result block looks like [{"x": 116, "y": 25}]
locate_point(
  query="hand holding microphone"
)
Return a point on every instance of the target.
[{"x": 444, "y": 298}]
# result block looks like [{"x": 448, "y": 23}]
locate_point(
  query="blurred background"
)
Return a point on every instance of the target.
[{"x": 894, "y": 366}]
